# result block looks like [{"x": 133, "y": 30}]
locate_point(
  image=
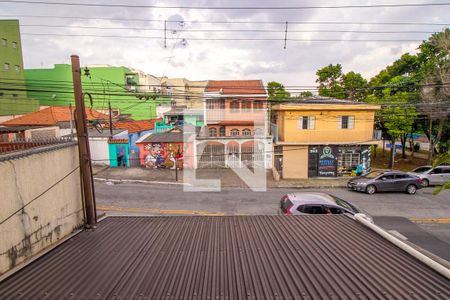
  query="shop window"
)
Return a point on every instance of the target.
[
  {"x": 347, "y": 162},
  {"x": 306, "y": 122},
  {"x": 234, "y": 106},
  {"x": 346, "y": 122},
  {"x": 234, "y": 132},
  {"x": 212, "y": 131},
  {"x": 246, "y": 132}
]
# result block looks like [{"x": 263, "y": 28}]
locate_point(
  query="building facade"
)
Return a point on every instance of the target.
[
  {"x": 13, "y": 95},
  {"x": 118, "y": 85},
  {"x": 236, "y": 126},
  {"x": 322, "y": 137}
]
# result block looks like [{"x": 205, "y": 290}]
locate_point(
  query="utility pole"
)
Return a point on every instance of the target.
[
  {"x": 110, "y": 119},
  {"x": 71, "y": 120},
  {"x": 83, "y": 145}
]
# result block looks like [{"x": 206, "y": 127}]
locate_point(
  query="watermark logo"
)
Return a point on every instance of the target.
[{"x": 220, "y": 138}]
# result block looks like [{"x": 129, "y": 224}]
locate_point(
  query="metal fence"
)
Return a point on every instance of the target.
[{"x": 24, "y": 144}]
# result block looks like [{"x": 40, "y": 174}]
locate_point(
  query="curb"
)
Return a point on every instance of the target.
[
  {"x": 312, "y": 187},
  {"x": 138, "y": 181}
]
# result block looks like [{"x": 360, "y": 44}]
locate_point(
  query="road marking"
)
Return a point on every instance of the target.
[
  {"x": 431, "y": 220},
  {"x": 159, "y": 211}
]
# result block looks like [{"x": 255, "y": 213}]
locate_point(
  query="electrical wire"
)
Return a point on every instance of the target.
[
  {"x": 40, "y": 195},
  {"x": 127, "y": 5}
]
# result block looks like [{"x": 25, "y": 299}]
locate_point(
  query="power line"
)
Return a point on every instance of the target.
[
  {"x": 232, "y": 21},
  {"x": 228, "y": 30},
  {"x": 395, "y": 5},
  {"x": 222, "y": 39}
]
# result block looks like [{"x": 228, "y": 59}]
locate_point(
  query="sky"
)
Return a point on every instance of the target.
[{"x": 194, "y": 59}]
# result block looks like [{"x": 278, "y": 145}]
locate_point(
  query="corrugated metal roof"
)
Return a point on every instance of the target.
[{"x": 252, "y": 257}]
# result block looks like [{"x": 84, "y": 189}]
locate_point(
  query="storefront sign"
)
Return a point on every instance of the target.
[{"x": 327, "y": 161}]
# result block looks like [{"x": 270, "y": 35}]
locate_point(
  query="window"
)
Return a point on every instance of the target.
[
  {"x": 212, "y": 131},
  {"x": 386, "y": 177},
  {"x": 246, "y": 132},
  {"x": 401, "y": 176},
  {"x": 346, "y": 122},
  {"x": 246, "y": 106},
  {"x": 14, "y": 45},
  {"x": 258, "y": 105},
  {"x": 234, "y": 106},
  {"x": 306, "y": 122},
  {"x": 311, "y": 209},
  {"x": 258, "y": 132},
  {"x": 15, "y": 95},
  {"x": 17, "y": 68},
  {"x": 446, "y": 171},
  {"x": 234, "y": 132},
  {"x": 436, "y": 171},
  {"x": 5, "y": 66},
  {"x": 4, "y": 42},
  {"x": 222, "y": 131}
]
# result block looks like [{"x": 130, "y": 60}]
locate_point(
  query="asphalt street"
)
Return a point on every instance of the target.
[{"x": 414, "y": 216}]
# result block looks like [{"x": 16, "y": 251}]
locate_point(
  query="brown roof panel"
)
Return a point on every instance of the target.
[
  {"x": 236, "y": 87},
  {"x": 136, "y": 125},
  {"x": 241, "y": 257},
  {"x": 51, "y": 115}
]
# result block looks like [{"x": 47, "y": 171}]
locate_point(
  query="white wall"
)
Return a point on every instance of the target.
[
  {"x": 31, "y": 222},
  {"x": 99, "y": 151}
]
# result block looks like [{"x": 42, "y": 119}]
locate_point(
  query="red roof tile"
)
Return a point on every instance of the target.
[
  {"x": 136, "y": 126},
  {"x": 51, "y": 116},
  {"x": 236, "y": 87}
]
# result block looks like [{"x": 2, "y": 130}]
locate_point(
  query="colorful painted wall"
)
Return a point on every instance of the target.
[
  {"x": 116, "y": 84},
  {"x": 164, "y": 155}
]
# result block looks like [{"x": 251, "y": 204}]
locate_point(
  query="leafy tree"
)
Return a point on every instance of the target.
[
  {"x": 277, "y": 91},
  {"x": 330, "y": 81},
  {"x": 435, "y": 90},
  {"x": 305, "y": 94},
  {"x": 354, "y": 86},
  {"x": 334, "y": 83}
]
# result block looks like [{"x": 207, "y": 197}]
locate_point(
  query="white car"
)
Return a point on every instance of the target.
[{"x": 432, "y": 176}]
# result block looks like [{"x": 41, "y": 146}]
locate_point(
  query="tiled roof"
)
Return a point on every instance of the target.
[
  {"x": 136, "y": 126},
  {"x": 51, "y": 115},
  {"x": 235, "y": 257},
  {"x": 236, "y": 87}
]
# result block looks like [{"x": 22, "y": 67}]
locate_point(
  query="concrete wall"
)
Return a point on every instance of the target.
[
  {"x": 295, "y": 162},
  {"x": 25, "y": 230}
]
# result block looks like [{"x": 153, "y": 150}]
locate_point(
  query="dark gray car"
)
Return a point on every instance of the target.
[{"x": 386, "y": 181}]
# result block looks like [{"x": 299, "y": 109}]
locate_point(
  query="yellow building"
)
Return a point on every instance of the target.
[{"x": 322, "y": 137}]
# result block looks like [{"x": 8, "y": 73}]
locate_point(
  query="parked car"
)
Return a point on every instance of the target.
[
  {"x": 386, "y": 181},
  {"x": 432, "y": 176},
  {"x": 307, "y": 203}
]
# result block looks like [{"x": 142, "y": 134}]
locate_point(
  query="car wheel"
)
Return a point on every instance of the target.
[
  {"x": 371, "y": 189},
  {"x": 411, "y": 189},
  {"x": 425, "y": 183}
]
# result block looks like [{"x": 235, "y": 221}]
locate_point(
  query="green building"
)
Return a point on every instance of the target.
[
  {"x": 119, "y": 85},
  {"x": 13, "y": 95}
]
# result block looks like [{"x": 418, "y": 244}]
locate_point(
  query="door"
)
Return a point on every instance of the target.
[
  {"x": 313, "y": 161},
  {"x": 401, "y": 182},
  {"x": 385, "y": 183},
  {"x": 436, "y": 176}
]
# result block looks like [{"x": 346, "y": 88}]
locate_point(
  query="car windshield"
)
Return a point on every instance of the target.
[
  {"x": 344, "y": 204},
  {"x": 373, "y": 174},
  {"x": 421, "y": 169}
]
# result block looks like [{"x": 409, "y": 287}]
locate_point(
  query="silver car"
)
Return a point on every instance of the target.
[
  {"x": 386, "y": 181},
  {"x": 432, "y": 176},
  {"x": 306, "y": 203}
]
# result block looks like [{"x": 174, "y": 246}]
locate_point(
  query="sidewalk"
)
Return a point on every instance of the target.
[{"x": 227, "y": 177}]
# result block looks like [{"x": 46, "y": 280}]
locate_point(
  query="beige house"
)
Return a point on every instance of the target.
[{"x": 322, "y": 137}]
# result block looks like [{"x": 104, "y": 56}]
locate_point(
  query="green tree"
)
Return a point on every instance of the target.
[
  {"x": 305, "y": 94},
  {"x": 277, "y": 91},
  {"x": 329, "y": 79},
  {"x": 355, "y": 86}
]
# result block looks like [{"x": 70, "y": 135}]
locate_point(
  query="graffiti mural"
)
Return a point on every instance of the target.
[{"x": 163, "y": 156}]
